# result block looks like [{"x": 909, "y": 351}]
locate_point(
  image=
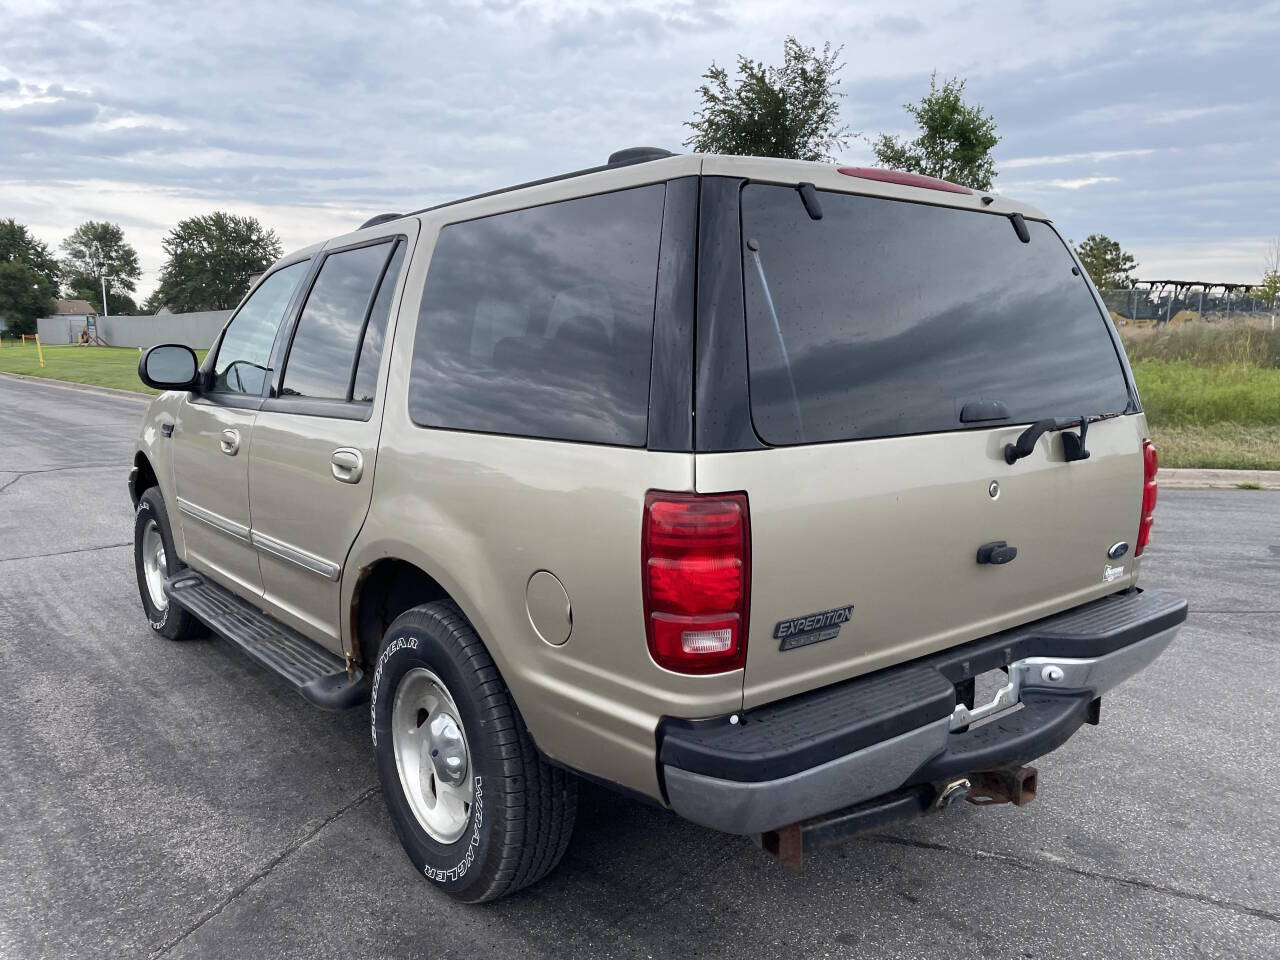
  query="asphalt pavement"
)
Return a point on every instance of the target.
[{"x": 174, "y": 800}]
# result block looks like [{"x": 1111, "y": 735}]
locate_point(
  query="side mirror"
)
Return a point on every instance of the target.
[{"x": 169, "y": 366}]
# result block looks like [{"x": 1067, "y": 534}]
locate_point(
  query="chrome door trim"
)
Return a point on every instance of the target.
[
  {"x": 307, "y": 561},
  {"x": 217, "y": 521}
]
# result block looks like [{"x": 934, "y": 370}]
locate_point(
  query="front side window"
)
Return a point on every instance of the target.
[
  {"x": 539, "y": 322},
  {"x": 245, "y": 350},
  {"x": 323, "y": 354},
  {"x": 887, "y": 318}
]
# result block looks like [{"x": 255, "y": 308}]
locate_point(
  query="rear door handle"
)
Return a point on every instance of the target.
[
  {"x": 347, "y": 465},
  {"x": 230, "y": 442}
]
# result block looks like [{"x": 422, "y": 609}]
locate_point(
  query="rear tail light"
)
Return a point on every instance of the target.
[
  {"x": 696, "y": 556},
  {"x": 1150, "y": 464}
]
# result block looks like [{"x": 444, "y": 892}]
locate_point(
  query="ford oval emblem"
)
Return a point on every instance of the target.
[{"x": 1118, "y": 550}]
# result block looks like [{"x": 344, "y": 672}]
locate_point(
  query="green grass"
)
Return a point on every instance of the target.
[
  {"x": 1211, "y": 413},
  {"x": 1222, "y": 446},
  {"x": 115, "y": 367},
  {"x": 1181, "y": 393},
  {"x": 1206, "y": 345}
]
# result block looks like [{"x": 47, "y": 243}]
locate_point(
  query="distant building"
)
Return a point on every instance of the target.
[
  {"x": 69, "y": 318},
  {"x": 74, "y": 308}
]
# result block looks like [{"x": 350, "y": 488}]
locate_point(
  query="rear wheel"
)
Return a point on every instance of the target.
[
  {"x": 477, "y": 809},
  {"x": 155, "y": 559}
]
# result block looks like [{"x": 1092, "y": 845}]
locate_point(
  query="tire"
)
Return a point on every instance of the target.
[
  {"x": 151, "y": 520},
  {"x": 520, "y": 817}
]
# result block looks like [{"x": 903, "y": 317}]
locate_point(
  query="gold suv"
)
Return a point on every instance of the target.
[{"x": 795, "y": 498}]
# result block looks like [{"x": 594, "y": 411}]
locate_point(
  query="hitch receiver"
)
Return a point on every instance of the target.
[{"x": 1016, "y": 786}]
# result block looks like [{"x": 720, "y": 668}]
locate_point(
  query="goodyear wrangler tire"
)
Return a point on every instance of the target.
[
  {"x": 477, "y": 809},
  {"x": 155, "y": 558}
]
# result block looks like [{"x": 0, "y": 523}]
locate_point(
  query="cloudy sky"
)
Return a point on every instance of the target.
[{"x": 1156, "y": 123}]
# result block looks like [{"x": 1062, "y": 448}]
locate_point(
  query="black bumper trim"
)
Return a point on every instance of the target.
[
  {"x": 801, "y": 732},
  {"x": 1045, "y": 722}
]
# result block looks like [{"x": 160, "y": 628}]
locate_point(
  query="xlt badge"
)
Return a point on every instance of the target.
[{"x": 811, "y": 628}]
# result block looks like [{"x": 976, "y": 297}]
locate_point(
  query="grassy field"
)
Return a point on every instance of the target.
[
  {"x": 1212, "y": 394},
  {"x": 99, "y": 366}
]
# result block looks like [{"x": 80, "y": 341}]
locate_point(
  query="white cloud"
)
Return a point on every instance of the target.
[
  {"x": 1235, "y": 261},
  {"x": 1182, "y": 114},
  {"x": 1093, "y": 156},
  {"x": 315, "y": 116},
  {"x": 1014, "y": 187}
]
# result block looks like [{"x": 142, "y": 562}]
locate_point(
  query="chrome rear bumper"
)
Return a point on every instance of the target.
[{"x": 1054, "y": 695}]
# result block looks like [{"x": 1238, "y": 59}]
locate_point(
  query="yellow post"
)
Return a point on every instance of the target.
[{"x": 39, "y": 352}]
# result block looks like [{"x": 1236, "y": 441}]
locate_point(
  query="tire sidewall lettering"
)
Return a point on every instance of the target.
[
  {"x": 145, "y": 507},
  {"x": 394, "y": 647},
  {"x": 454, "y": 865},
  {"x": 459, "y": 869}
]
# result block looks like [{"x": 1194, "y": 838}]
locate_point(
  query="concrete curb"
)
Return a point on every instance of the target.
[
  {"x": 1184, "y": 479},
  {"x": 82, "y": 387}
]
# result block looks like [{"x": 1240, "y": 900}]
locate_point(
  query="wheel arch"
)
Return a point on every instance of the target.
[
  {"x": 384, "y": 588},
  {"x": 142, "y": 477}
]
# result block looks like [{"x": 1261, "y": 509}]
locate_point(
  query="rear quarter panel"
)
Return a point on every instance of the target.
[{"x": 482, "y": 513}]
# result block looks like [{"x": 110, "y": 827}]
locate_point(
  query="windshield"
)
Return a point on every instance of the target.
[{"x": 887, "y": 318}]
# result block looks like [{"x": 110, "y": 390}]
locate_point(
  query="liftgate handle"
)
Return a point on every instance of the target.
[{"x": 997, "y": 552}]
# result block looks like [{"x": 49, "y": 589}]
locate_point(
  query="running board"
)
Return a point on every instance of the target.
[{"x": 319, "y": 675}]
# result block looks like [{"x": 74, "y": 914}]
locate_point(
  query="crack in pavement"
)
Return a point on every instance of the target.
[
  {"x": 262, "y": 873},
  {"x": 65, "y": 553},
  {"x": 74, "y": 466},
  {"x": 1147, "y": 885}
]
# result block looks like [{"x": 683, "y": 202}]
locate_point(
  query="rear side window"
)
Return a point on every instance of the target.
[
  {"x": 885, "y": 318},
  {"x": 375, "y": 332},
  {"x": 323, "y": 353},
  {"x": 539, "y": 322}
]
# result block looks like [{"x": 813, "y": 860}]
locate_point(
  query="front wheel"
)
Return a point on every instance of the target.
[
  {"x": 478, "y": 810},
  {"x": 155, "y": 559}
]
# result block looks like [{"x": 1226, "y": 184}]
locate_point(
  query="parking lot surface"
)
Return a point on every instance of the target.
[{"x": 174, "y": 800}]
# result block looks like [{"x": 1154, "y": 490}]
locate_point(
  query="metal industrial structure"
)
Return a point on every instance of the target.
[{"x": 1159, "y": 301}]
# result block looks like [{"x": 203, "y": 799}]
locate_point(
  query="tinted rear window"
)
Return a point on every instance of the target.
[
  {"x": 539, "y": 322},
  {"x": 885, "y": 318}
]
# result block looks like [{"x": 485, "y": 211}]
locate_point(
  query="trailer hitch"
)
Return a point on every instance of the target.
[{"x": 1016, "y": 786}]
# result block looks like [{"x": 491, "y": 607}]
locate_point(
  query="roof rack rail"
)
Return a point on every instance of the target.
[
  {"x": 619, "y": 158},
  {"x": 380, "y": 218}
]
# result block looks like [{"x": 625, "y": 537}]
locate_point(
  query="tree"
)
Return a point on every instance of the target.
[
  {"x": 121, "y": 303},
  {"x": 97, "y": 249},
  {"x": 790, "y": 111},
  {"x": 1106, "y": 263},
  {"x": 954, "y": 143},
  {"x": 28, "y": 277},
  {"x": 210, "y": 261},
  {"x": 1269, "y": 291}
]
